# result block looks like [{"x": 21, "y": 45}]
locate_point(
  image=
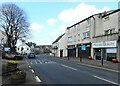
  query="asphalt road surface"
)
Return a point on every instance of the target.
[{"x": 50, "y": 70}]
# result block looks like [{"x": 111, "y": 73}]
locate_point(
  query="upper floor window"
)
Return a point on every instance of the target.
[
  {"x": 78, "y": 34},
  {"x": 110, "y": 31},
  {"x": 106, "y": 18},
  {"x": 106, "y": 32},
  {"x": 88, "y": 22},
  {"x": 86, "y": 35},
  {"x": 78, "y": 27},
  {"x": 70, "y": 39}
]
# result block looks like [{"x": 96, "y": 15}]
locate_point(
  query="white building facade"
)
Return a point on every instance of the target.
[
  {"x": 62, "y": 46},
  {"x": 59, "y": 46},
  {"x": 96, "y": 36},
  {"x": 23, "y": 48}
]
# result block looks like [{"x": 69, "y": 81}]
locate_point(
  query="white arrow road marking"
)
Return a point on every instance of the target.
[
  {"x": 37, "y": 79},
  {"x": 29, "y": 66},
  {"x": 106, "y": 80},
  {"x": 32, "y": 71},
  {"x": 39, "y": 61},
  {"x": 69, "y": 67},
  {"x": 35, "y": 61}
]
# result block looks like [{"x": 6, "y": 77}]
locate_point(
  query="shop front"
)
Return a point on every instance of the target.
[
  {"x": 71, "y": 51},
  {"x": 84, "y": 50},
  {"x": 106, "y": 50}
]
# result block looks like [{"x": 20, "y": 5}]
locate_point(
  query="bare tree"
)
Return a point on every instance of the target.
[{"x": 14, "y": 22}]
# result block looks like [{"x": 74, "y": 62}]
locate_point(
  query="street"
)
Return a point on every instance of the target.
[{"x": 51, "y": 70}]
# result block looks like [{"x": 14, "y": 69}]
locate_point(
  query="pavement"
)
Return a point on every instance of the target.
[
  {"x": 94, "y": 63},
  {"x": 30, "y": 77}
]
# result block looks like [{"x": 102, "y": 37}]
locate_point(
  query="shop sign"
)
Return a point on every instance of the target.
[
  {"x": 83, "y": 47},
  {"x": 104, "y": 44},
  {"x": 6, "y": 49}
]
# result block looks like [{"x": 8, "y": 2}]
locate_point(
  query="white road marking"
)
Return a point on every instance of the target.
[
  {"x": 29, "y": 66},
  {"x": 46, "y": 62},
  {"x": 26, "y": 61},
  {"x": 40, "y": 62},
  {"x": 32, "y": 71},
  {"x": 35, "y": 61},
  {"x": 37, "y": 79},
  {"x": 31, "y": 62},
  {"x": 98, "y": 67},
  {"x": 69, "y": 67},
  {"x": 106, "y": 80}
]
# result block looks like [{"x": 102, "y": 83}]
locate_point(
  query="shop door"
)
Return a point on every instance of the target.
[
  {"x": 71, "y": 52},
  {"x": 61, "y": 53},
  {"x": 84, "y": 53}
]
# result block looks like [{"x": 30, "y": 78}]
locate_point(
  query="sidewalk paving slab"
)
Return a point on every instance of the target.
[{"x": 93, "y": 63}]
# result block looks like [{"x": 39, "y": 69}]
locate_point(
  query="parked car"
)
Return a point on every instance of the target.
[
  {"x": 18, "y": 56},
  {"x": 31, "y": 55},
  {"x": 9, "y": 56}
]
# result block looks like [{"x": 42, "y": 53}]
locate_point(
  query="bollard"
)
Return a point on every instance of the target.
[
  {"x": 80, "y": 59},
  {"x": 102, "y": 61}
]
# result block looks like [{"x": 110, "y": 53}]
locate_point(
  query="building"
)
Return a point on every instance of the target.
[
  {"x": 59, "y": 46},
  {"x": 32, "y": 46},
  {"x": 42, "y": 49},
  {"x": 23, "y": 48},
  {"x": 79, "y": 37},
  {"x": 62, "y": 46},
  {"x": 96, "y": 36},
  {"x": 105, "y": 41}
]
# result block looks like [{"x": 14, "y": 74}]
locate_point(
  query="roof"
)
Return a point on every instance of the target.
[
  {"x": 107, "y": 13},
  {"x": 58, "y": 38},
  {"x": 110, "y": 12}
]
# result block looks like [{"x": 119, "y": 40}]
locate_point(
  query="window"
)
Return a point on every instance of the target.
[
  {"x": 78, "y": 28},
  {"x": 70, "y": 39},
  {"x": 78, "y": 34},
  {"x": 74, "y": 38},
  {"x": 111, "y": 31},
  {"x": 88, "y": 22},
  {"x": 106, "y": 18},
  {"x": 86, "y": 35},
  {"x": 106, "y": 32}
]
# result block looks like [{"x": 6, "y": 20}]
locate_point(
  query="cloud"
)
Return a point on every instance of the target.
[
  {"x": 79, "y": 13},
  {"x": 51, "y": 21},
  {"x": 36, "y": 27},
  {"x": 63, "y": 27}
]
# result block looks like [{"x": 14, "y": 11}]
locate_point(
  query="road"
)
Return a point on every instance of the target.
[{"x": 51, "y": 70}]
